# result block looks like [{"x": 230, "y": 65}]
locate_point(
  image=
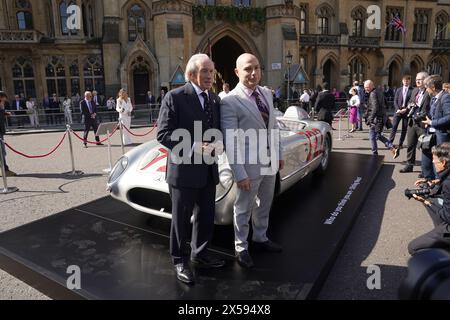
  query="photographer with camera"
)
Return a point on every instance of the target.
[
  {"x": 419, "y": 103},
  {"x": 436, "y": 197},
  {"x": 437, "y": 122},
  {"x": 376, "y": 118}
]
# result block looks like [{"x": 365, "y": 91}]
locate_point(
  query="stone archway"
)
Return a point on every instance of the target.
[
  {"x": 224, "y": 53},
  {"x": 395, "y": 77}
]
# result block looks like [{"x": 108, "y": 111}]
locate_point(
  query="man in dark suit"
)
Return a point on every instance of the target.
[
  {"x": 191, "y": 183},
  {"x": 376, "y": 119},
  {"x": 151, "y": 100},
  {"x": 47, "y": 109},
  {"x": 422, "y": 99},
  {"x": 89, "y": 111},
  {"x": 325, "y": 104},
  {"x": 401, "y": 99},
  {"x": 19, "y": 108}
]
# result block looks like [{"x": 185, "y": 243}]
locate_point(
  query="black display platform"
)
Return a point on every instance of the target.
[{"x": 123, "y": 254}]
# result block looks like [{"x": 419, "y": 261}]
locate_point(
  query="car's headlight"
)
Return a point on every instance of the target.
[
  {"x": 118, "y": 169},
  {"x": 225, "y": 185}
]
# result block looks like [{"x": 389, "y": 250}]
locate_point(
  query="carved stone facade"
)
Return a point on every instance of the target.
[{"x": 141, "y": 44}]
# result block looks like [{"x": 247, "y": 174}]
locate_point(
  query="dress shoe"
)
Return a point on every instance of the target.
[
  {"x": 406, "y": 169},
  {"x": 85, "y": 146},
  {"x": 100, "y": 144},
  {"x": 244, "y": 259},
  {"x": 207, "y": 262},
  {"x": 268, "y": 246},
  {"x": 395, "y": 152},
  {"x": 184, "y": 273}
]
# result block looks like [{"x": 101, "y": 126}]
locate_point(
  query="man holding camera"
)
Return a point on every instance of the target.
[
  {"x": 419, "y": 103},
  {"x": 402, "y": 96},
  {"x": 439, "y": 237},
  {"x": 437, "y": 122}
]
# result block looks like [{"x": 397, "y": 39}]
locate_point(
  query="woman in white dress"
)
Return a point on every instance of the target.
[
  {"x": 124, "y": 107},
  {"x": 67, "y": 103},
  {"x": 32, "y": 113}
]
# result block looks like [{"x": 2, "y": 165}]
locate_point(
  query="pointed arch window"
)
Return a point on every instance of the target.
[
  {"x": 435, "y": 67},
  {"x": 358, "y": 21},
  {"x": 63, "y": 16},
  {"x": 136, "y": 23},
  {"x": 55, "y": 73},
  {"x": 324, "y": 15},
  {"x": 87, "y": 9},
  {"x": 392, "y": 34},
  {"x": 421, "y": 25},
  {"x": 303, "y": 18},
  {"x": 24, "y": 15},
  {"x": 93, "y": 74},
  {"x": 441, "y": 25},
  {"x": 357, "y": 71},
  {"x": 23, "y": 77}
]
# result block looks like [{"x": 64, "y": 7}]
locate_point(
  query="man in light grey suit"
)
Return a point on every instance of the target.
[{"x": 249, "y": 109}]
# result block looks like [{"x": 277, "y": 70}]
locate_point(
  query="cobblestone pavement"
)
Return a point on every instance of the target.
[{"x": 387, "y": 222}]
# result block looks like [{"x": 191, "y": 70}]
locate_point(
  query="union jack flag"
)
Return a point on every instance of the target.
[{"x": 397, "y": 23}]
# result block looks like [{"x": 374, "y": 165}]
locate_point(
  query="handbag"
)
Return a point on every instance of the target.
[{"x": 426, "y": 141}]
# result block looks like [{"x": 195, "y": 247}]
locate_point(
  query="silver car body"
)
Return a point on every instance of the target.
[{"x": 138, "y": 178}]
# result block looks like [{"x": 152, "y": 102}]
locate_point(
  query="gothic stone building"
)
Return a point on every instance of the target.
[{"x": 144, "y": 45}]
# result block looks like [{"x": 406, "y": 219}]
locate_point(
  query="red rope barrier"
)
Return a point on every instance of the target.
[
  {"x": 140, "y": 135},
  {"x": 41, "y": 156},
  {"x": 92, "y": 142}
]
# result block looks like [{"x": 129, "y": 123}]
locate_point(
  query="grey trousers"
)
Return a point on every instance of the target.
[{"x": 254, "y": 204}]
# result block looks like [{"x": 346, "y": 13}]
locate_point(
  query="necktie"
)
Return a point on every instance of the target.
[
  {"x": 262, "y": 108},
  {"x": 433, "y": 101},
  {"x": 207, "y": 109},
  {"x": 405, "y": 92},
  {"x": 90, "y": 107}
]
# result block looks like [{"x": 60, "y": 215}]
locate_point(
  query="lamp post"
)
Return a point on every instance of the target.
[{"x": 289, "y": 62}]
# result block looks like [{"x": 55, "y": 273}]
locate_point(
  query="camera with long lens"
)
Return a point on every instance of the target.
[
  {"x": 419, "y": 117},
  {"x": 424, "y": 191},
  {"x": 428, "y": 276},
  {"x": 413, "y": 109}
]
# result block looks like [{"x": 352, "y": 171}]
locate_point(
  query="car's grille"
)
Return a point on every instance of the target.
[{"x": 151, "y": 199}]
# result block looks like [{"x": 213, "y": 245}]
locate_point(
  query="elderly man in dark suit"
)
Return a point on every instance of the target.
[
  {"x": 19, "y": 110},
  {"x": 422, "y": 99},
  {"x": 401, "y": 99},
  {"x": 376, "y": 119},
  {"x": 89, "y": 110},
  {"x": 325, "y": 104},
  {"x": 191, "y": 183}
]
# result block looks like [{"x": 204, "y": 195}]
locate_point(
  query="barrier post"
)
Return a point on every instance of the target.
[
  {"x": 340, "y": 127},
  {"x": 108, "y": 170},
  {"x": 121, "y": 136},
  {"x": 347, "y": 134},
  {"x": 5, "y": 189},
  {"x": 73, "y": 173}
]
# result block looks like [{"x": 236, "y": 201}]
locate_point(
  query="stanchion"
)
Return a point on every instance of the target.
[
  {"x": 340, "y": 121},
  {"x": 121, "y": 136},
  {"x": 6, "y": 189},
  {"x": 73, "y": 173},
  {"x": 108, "y": 170},
  {"x": 348, "y": 135}
]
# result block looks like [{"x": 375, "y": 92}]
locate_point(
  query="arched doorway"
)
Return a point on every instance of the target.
[
  {"x": 224, "y": 54},
  {"x": 141, "y": 80},
  {"x": 414, "y": 67},
  {"x": 395, "y": 78},
  {"x": 329, "y": 73}
]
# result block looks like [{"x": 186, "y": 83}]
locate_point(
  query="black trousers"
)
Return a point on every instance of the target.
[
  {"x": 439, "y": 237},
  {"x": 396, "y": 121},
  {"x": 185, "y": 203},
  {"x": 413, "y": 134},
  {"x": 88, "y": 124}
]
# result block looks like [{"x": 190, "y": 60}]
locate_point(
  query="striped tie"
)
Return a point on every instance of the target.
[{"x": 262, "y": 108}]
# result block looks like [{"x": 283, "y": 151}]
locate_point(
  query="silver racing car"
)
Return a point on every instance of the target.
[{"x": 138, "y": 178}]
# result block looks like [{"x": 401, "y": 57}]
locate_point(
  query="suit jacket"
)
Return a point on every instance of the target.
[
  {"x": 324, "y": 106},
  {"x": 180, "y": 108},
  {"x": 85, "y": 110},
  {"x": 441, "y": 118},
  {"x": 376, "y": 108},
  {"x": 151, "y": 100},
  {"x": 239, "y": 112},
  {"x": 22, "y": 106},
  {"x": 423, "y": 107},
  {"x": 2, "y": 121},
  {"x": 398, "y": 99}
]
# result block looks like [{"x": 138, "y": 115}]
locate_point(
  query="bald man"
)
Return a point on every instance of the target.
[
  {"x": 249, "y": 107},
  {"x": 376, "y": 119}
]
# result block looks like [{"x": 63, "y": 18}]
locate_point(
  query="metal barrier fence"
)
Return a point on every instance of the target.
[{"x": 142, "y": 115}]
